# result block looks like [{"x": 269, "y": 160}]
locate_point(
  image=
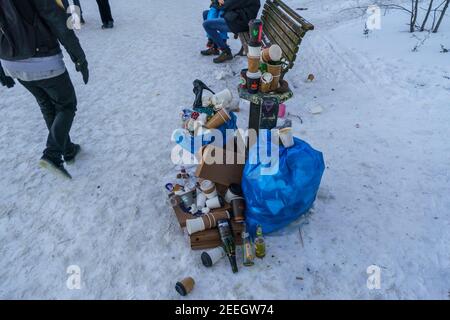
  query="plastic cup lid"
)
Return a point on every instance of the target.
[
  {"x": 206, "y": 260},
  {"x": 180, "y": 289}
]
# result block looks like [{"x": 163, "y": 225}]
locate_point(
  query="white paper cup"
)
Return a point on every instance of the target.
[
  {"x": 201, "y": 200},
  {"x": 211, "y": 257},
  {"x": 205, "y": 185},
  {"x": 195, "y": 225},
  {"x": 214, "y": 203},
  {"x": 222, "y": 98},
  {"x": 211, "y": 195},
  {"x": 287, "y": 137},
  {"x": 209, "y": 189},
  {"x": 230, "y": 196},
  {"x": 275, "y": 52},
  {"x": 254, "y": 51}
]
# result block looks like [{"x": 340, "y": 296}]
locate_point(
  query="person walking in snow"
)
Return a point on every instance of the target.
[
  {"x": 237, "y": 15},
  {"x": 30, "y": 35},
  {"x": 105, "y": 14}
]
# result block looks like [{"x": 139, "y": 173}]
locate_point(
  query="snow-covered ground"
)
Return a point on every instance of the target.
[{"x": 384, "y": 133}]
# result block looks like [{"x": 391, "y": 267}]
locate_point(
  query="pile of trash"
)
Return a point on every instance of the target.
[
  {"x": 227, "y": 200},
  {"x": 241, "y": 188}
]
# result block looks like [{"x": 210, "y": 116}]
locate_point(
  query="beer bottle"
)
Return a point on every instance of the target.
[{"x": 260, "y": 245}]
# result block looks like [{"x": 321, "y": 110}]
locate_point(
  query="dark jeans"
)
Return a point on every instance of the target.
[
  {"x": 58, "y": 102},
  {"x": 105, "y": 11},
  {"x": 215, "y": 28}
]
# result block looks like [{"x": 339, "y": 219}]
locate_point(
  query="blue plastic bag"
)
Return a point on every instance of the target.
[
  {"x": 194, "y": 144},
  {"x": 276, "y": 200}
]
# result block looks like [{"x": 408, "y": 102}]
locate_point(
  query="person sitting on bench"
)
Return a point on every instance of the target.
[
  {"x": 237, "y": 15},
  {"x": 215, "y": 11}
]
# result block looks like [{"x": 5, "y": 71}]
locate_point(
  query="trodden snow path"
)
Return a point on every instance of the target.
[{"x": 384, "y": 198}]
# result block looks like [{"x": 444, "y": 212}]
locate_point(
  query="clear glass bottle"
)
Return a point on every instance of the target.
[
  {"x": 260, "y": 245},
  {"x": 247, "y": 250}
]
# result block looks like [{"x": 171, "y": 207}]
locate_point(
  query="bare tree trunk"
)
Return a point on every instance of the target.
[
  {"x": 441, "y": 17},
  {"x": 427, "y": 15},
  {"x": 414, "y": 12}
]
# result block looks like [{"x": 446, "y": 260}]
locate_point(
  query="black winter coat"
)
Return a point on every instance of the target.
[
  {"x": 238, "y": 13},
  {"x": 51, "y": 28}
]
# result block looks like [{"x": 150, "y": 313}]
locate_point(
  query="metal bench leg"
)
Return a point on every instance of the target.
[{"x": 241, "y": 52}]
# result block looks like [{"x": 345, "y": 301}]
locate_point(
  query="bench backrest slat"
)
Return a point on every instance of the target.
[
  {"x": 278, "y": 24},
  {"x": 291, "y": 25},
  {"x": 305, "y": 24}
]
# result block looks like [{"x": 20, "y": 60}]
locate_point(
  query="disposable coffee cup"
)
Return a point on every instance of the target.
[
  {"x": 275, "y": 70},
  {"x": 273, "y": 53},
  {"x": 238, "y": 206},
  {"x": 201, "y": 199},
  {"x": 253, "y": 81},
  {"x": 215, "y": 203},
  {"x": 254, "y": 51},
  {"x": 233, "y": 192},
  {"x": 253, "y": 63},
  {"x": 275, "y": 83},
  {"x": 287, "y": 137},
  {"x": 195, "y": 225},
  {"x": 243, "y": 83},
  {"x": 211, "y": 257},
  {"x": 185, "y": 286},
  {"x": 222, "y": 98},
  {"x": 221, "y": 117},
  {"x": 210, "y": 218},
  {"x": 207, "y": 187},
  {"x": 266, "y": 82}
]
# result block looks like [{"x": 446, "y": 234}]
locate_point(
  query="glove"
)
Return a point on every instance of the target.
[
  {"x": 83, "y": 68},
  {"x": 5, "y": 80}
]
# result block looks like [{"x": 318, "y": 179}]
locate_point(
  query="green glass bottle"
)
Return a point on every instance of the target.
[{"x": 260, "y": 245}]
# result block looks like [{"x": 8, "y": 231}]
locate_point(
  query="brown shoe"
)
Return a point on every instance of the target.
[
  {"x": 210, "y": 52},
  {"x": 226, "y": 55}
]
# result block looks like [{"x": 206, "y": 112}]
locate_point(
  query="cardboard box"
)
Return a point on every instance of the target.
[{"x": 222, "y": 166}]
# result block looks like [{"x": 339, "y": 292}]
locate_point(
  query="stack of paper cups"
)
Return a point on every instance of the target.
[{"x": 208, "y": 221}]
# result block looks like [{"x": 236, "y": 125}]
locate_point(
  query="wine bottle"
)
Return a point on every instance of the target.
[{"x": 228, "y": 242}]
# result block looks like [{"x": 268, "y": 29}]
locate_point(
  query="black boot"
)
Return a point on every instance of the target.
[
  {"x": 210, "y": 52},
  {"x": 54, "y": 165},
  {"x": 69, "y": 157},
  {"x": 108, "y": 25},
  {"x": 226, "y": 55}
]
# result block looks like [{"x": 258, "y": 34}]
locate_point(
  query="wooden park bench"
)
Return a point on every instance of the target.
[{"x": 282, "y": 26}]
